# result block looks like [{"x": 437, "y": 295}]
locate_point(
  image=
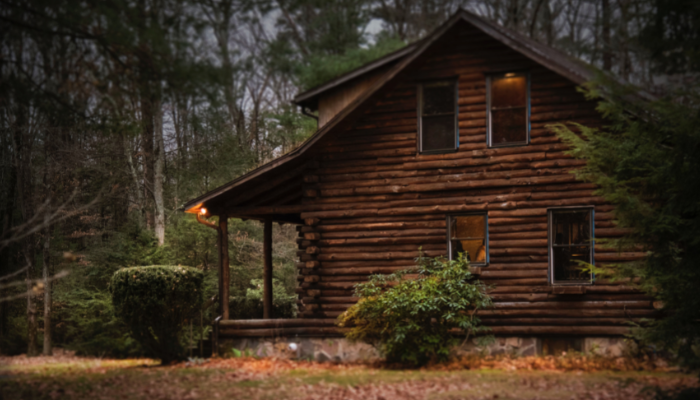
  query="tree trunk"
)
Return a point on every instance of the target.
[
  {"x": 32, "y": 350},
  {"x": 134, "y": 175},
  {"x": 158, "y": 177},
  {"x": 48, "y": 349},
  {"x": 5, "y": 254},
  {"x": 607, "y": 55},
  {"x": 147, "y": 145}
]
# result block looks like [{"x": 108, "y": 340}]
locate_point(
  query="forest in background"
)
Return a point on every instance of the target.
[{"x": 113, "y": 113}]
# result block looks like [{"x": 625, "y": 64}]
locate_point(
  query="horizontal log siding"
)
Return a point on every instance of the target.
[{"x": 372, "y": 201}]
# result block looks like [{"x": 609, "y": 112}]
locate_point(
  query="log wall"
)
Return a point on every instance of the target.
[{"x": 372, "y": 201}]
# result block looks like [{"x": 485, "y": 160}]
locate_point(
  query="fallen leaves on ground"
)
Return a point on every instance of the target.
[
  {"x": 574, "y": 377},
  {"x": 567, "y": 362}
]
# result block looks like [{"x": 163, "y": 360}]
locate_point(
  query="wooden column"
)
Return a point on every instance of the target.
[
  {"x": 219, "y": 268},
  {"x": 267, "y": 269},
  {"x": 224, "y": 267}
]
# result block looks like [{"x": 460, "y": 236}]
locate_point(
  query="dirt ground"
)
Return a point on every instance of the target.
[{"x": 65, "y": 376}]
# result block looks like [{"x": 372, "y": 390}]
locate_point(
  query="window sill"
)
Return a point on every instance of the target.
[
  {"x": 579, "y": 290},
  {"x": 500, "y": 146},
  {"x": 475, "y": 270},
  {"x": 434, "y": 152}
]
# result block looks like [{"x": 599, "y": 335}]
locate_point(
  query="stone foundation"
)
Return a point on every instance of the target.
[
  {"x": 340, "y": 350},
  {"x": 515, "y": 346},
  {"x": 316, "y": 349},
  {"x": 609, "y": 347}
]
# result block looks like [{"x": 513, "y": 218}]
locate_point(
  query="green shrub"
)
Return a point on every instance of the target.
[
  {"x": 155, "y": 302},
  {"x": 251, "y": 306},
  {"x": 410, "y": 322},
  {"x": 86, "y": 322}
]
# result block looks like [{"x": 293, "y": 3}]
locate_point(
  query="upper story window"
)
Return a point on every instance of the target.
[
  {"x": 508, "y": 102},
  {"x": 438, "y": 131},
  {"x": 468, "y": 234},
  {"x": 570, "y": 243}
]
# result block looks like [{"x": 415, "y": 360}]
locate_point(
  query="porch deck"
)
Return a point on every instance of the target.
[{"x": 262, "y": 328}]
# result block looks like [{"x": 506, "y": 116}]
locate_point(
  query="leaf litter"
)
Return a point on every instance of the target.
[{"x": 574, "y": 377}]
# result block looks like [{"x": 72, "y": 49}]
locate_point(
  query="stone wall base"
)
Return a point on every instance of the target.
[
  {"x": 341, "y": 350},
  {"x": 314, "y": 349}
]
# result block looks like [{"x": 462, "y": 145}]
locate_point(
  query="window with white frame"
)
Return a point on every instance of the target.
[
  {"x": 571, "y": 245},
  {"x": 438, "y": 131},
  {"x": 468, "y": 234},
  {"x": 508, "y": 104}
]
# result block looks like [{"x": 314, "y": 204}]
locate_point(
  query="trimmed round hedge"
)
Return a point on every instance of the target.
[{"x": 155, "y": 302}]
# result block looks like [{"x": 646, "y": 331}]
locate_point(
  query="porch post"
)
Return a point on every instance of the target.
[
  {"x": 225, "y": 267},
  {"x": 267, "y": 269},
  {"x": 219, "y": 268}
]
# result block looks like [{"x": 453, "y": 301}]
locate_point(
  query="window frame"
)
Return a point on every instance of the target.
[
  {"x": 550, "y": 245},
  {"x": 419, "y": 141},
  {"x": 448, "y": 220},
  {"x": 528, "y": 125}
]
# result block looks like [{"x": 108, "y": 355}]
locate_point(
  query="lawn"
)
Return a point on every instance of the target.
[{"x": 68, "y": 377}]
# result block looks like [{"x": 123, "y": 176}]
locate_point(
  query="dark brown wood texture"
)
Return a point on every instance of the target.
[
  {"x": 267, "y": 268},
  {"x": 224, "y": 267},
  {"x": 370, "y": 201}
]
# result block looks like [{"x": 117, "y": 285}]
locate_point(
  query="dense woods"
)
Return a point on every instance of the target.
[{"x": 114, "y": 113}]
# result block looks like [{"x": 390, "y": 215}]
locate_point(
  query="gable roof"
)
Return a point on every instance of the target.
[
  {"x": 571, "y": 68},
  {"x": 558, "y": 62}
]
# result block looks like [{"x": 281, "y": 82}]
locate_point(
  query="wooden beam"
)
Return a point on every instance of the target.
[
  {"x": 277, "y": 323},
  {"x": 267, "y": 269},
  {"x": 263, "y": 210},
  {"x": 219, "y": 240},
  {"x": 225, "y": 267}
]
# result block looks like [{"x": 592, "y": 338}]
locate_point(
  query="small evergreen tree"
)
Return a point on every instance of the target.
[{"x": 646, "y": 162}]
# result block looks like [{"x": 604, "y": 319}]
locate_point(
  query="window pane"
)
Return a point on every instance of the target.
[
  {"x": 438, "y": 133},
  {"x": 509, "y": 126},
  {"x": 508, "y": 91},
  {"x": 468, "y": 226},
  {"x": 475, "y": 250},
  {"x": 572, "y": 227},
  {"x": 468, "y": 235},
  {"x": 565, "y": 266},
  {"x": 439, "y": 99}
]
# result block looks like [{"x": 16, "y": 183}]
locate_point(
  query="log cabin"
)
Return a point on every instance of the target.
[{"x": 445, "y": 145}]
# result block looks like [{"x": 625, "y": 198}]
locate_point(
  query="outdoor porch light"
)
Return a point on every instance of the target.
[{"x": 203, "y": 212}]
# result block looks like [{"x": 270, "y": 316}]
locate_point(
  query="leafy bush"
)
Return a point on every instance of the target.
[
  {"x": 251, "y": 306},
  {"x": 410, "y": 322},
  {"x": 155, "y": 303}
]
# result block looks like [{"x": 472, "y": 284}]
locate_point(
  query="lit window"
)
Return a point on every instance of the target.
[
  {"x": 437, "y": 109},
  {"x": 468, "y": 234},
  {"x": 509, "y": 109},
  {"x": 570, "y": 244}
]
